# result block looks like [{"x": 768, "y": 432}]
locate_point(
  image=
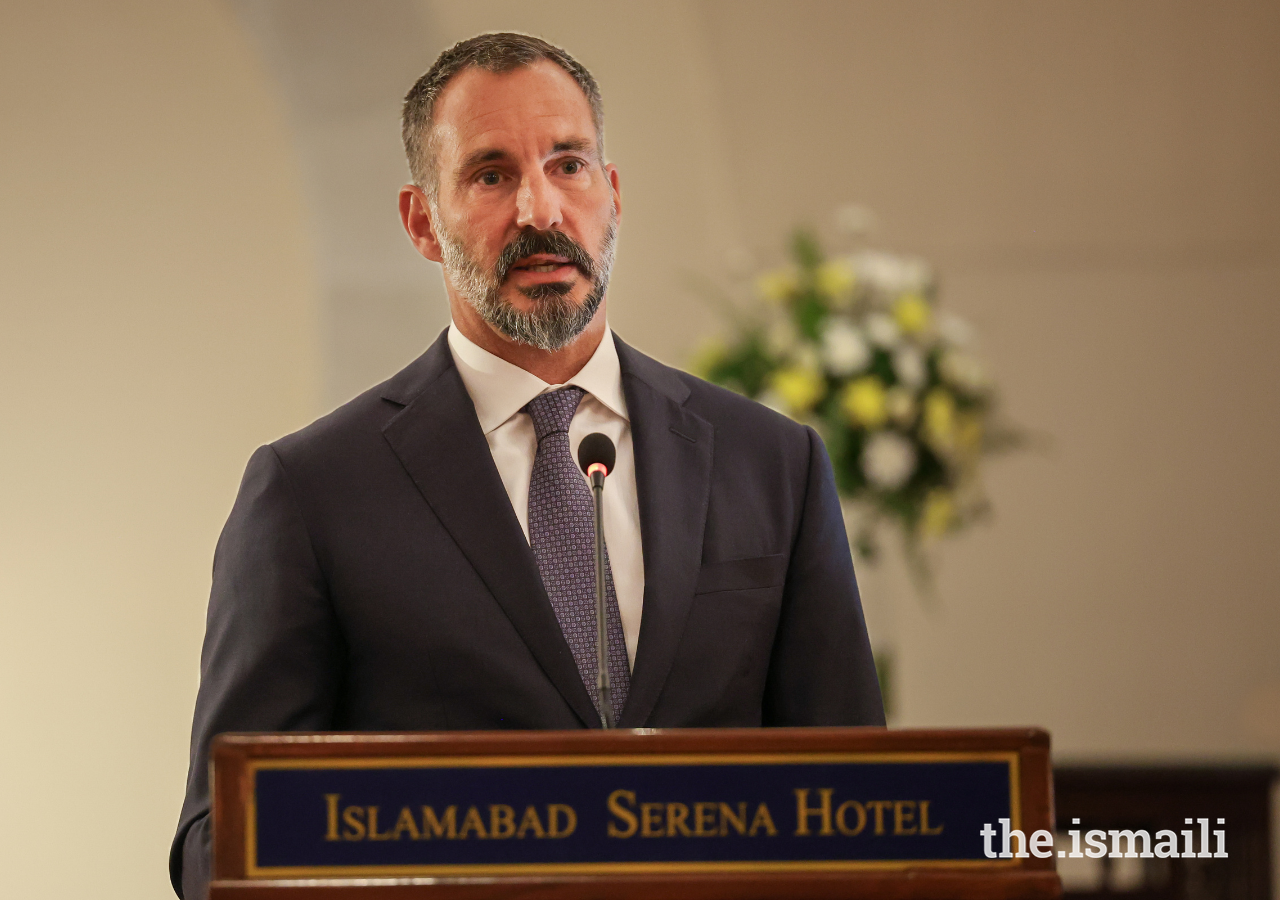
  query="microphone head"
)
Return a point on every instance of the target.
[{"x": 596, "y": 449}]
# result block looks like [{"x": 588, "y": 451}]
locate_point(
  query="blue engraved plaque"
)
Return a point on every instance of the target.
[{"x": 645, "y": 813}]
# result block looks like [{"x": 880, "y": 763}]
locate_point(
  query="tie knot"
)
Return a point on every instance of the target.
[{"x": 552, "y": 412}]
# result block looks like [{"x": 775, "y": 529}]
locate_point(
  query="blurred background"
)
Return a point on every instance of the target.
[{"x": 200, "y": 253}]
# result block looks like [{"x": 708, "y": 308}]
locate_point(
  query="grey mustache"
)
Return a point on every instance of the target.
[{"x": 552, "y": 243}]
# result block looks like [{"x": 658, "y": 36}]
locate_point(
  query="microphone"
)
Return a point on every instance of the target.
[{"x": 596, "y": 456}]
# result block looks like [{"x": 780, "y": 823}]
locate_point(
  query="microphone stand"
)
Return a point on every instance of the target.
[{"x": 597, "y": 473}]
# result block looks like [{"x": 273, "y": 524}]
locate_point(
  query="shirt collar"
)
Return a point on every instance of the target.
[{"x": 500, "y": 389}]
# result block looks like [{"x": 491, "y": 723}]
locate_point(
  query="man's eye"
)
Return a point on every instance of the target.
[
  {"x": 572, "y": 167},
  {"x": 490, "y": 178}
]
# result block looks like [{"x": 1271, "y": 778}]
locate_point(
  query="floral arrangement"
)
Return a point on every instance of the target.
[{"x": 856, "y": 347}]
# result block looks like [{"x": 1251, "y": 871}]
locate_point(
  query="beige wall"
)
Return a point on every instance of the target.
[
  {"x": 1099, "y": 185},
  {"x": 340, "y": 70},
  {"x": 156, "y": 324}
]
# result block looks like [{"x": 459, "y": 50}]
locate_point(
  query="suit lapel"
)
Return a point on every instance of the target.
[
  {"x": 439, "y": 442},
  {"x": 673, "y": 480}
]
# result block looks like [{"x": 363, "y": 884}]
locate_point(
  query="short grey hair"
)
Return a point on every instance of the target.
[{"x": 498, "y": 52}]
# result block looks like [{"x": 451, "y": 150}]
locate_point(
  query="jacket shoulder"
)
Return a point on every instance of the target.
[
  {"x": 720, "y": 406},
  {"x": 368, "y": 412},
  {"x": 723, "y": 406}
]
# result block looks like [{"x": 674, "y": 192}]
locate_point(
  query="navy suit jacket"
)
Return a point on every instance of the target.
[{"x": 373, "y": 576}]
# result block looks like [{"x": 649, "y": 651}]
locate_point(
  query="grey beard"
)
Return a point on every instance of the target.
[{"x": 555, "y": 321}]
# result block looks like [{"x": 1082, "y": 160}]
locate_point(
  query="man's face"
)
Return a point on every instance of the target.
[{"x": 526, "y": 210}]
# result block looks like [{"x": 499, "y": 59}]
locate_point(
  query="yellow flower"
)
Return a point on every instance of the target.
[
  {"x": 799, "y": 387},
  {"x": 940, "y": 419},
  {"x": 777, "y": 286},
  {"x": 863, "y": 401},
  {"x": 939, "y": 513},
  {"x": 835, "y": 279},
  {"x": 912, "y": 313}
]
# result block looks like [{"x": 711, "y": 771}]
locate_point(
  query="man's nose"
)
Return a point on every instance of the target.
[{"x": 538, "y": 203}]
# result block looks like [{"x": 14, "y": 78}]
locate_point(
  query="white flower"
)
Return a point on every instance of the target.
[
  {"x": 888, "y": 460},
  {"x": 892, "y": 275},
  {"x": 882, "y": 330},
  {"x": 954, "y": 330},
  {"x": 781, "y": 337},
  {"x": 844, "y": 349},
  {"x": 909, "y": 366},
  {"x": 962, "y": 371}
]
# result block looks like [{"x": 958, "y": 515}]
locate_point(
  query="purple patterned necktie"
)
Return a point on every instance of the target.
[{"x": 562, "y": 534}]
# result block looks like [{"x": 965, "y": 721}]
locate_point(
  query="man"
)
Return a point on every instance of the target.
[{"x": 421, "y": 558}]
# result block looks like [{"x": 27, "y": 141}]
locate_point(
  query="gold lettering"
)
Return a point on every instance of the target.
[
  {"x": 622, "y": 813},
  {"x": 677, "y": 813},
  {"x": 879, "y": 806},
  {"x": 352, "y": 817},
  {"x": 924, "y": 820},
  {"x": 472, "y": 822},
  {"x": 553, "y": 820},
  {"x": 403, "y": 824},
  {"x": 374, "y": 835},
  {"x": 804, "y": 811},
  {"x": 331, "y": 802},
  {"x": 440, "y": 828},
  {"x": 704, "y": 814},
  {"x": 650, "y": 824},
  {"x": 530, "y": 822},
  {"x": 904, "y": 814},
  {"x": 762, "y": 820},
  {"x": 739, "y": 819},
  {"x": 843, "y": 825},
  {"x": 502, "y": 820}
]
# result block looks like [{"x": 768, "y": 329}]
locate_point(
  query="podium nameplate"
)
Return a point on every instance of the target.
[
  {"x": 661, "y": 812},
  {"x": 424, "y": 812}
]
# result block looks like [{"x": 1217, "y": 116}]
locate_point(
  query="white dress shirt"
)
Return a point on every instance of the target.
[{"x": 500, "y": 391}]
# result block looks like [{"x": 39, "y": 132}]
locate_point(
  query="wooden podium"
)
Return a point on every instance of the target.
[{"x": 729, "y": 814}]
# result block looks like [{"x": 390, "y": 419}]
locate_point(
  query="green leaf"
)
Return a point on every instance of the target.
[
  {"x": 806, "y": 249},
  {"x": 810, "y": 311}
]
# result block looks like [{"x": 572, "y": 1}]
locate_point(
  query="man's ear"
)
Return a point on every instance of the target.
[
  {"x": 616, "y": 185},
  {"x": 415, "y": 215}
]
